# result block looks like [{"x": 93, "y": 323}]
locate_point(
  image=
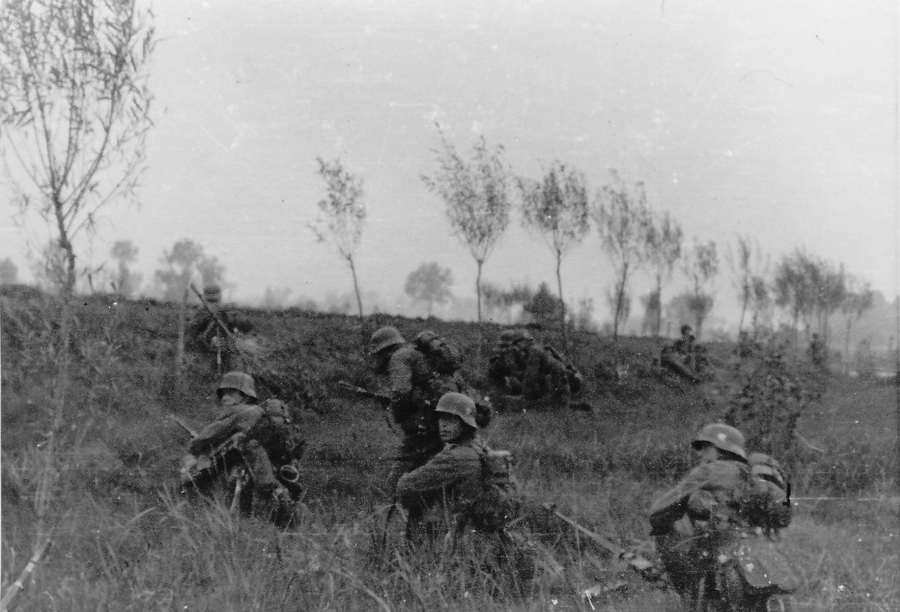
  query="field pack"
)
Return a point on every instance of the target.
[
  {"x": 498, "y": 503},
  {"x": 442, "y": 355}
]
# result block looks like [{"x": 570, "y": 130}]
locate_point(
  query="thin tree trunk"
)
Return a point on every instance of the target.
[
  {"x": 479, "y": 352},
  {"x": 179, "y": 348},
  {"x": 847, "y": 348},
  {"x": 355, "y": 287},
  {"x": 562, "y": 305},
  {"x": 659, "y": 309}
]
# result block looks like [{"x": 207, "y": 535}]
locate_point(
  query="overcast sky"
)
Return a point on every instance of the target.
[{"x": 770, "y": 119}]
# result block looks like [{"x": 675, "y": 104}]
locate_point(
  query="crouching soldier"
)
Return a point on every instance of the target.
[
  {"x": 704, "y": 536},
  {"x": 461, "y": 501},
  {"x": 263, "y": 436},
  {"x": 521, "y": 366}
]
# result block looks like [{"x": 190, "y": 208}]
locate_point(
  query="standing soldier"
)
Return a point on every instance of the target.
[{"x": 205, "y": 334}]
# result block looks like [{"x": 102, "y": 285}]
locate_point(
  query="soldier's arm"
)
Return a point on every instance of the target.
[
  {"x": 672, "y": 505},
  {"x": 214, "y": 434},
  {"x": 446, "y": 469}
]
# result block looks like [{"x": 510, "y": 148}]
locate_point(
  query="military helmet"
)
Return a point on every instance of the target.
[
  {"x": 461, "y": 405},
  {"x": 383, "y": 338},
  {"x": 767, "y": 468},
  {"x": 425, "y": 336},
  {"x": 511, "y": 336},
  {"x": 240, "y": 381},
  {"x": 724, "y": 437},
  {"x": 212, "y": 293}
]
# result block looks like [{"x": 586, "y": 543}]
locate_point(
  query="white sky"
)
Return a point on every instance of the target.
[{"x": 772, "y": 119}]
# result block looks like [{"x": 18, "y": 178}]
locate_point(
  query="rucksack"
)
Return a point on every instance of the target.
[
  {"x": 442, "y": 355},
  {"x": 498, "y": 504}
]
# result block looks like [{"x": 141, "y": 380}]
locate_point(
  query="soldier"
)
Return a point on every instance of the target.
[
  {"x": 681, "y": 356},
  {"x": 414, "y": 388},
  {"x": 694, "y": 519},
  {"x": 206, "y": 335},
  {"x": 704, "y": 530},
  {"x": 268, "y": 437},
  {"x": 521, "y": 366},
  {"x": 453, "y": 502}
]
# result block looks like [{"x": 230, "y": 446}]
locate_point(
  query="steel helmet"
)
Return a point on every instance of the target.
[
  {"x": 385, "y": 337},
  {"x": 515, "y": 335},
  {"x": 240, "y": 381},
  {"x": 724, "y": 437},
  {"x": 425, "y": 336},
  {"x": 461, "y": 405},
  {"x": 766, "y": 467},
  {"x": 212, "y": 293}
]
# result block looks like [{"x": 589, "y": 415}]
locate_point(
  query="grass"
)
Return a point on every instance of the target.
[{"x": 125, "y": 540}]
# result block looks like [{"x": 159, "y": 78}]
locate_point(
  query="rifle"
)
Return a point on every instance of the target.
[
  {"x": 383, "y": 400},
  {"x": 642, "y": 566},
  {"x": 185, "y": 426}
]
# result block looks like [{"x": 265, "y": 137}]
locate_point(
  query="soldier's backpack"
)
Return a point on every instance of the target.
[
  {"x": 499, "y": 503},
  {"x": 442, "y": 355}
]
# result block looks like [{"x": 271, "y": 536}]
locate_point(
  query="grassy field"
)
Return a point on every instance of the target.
[{"x": 123, "y": 538}]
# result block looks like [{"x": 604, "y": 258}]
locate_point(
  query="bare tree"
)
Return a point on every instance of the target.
[
  {"x": 701, "y": 266},
  {"x": 662, "y": 250},
  {"x": 557, "y": 207},
  {"x": 476, "y": 195},
  {"x": 75, "y": 113},
  {"x": 623, "y": 221},
  {"x": 343, "y": 215},
  {"x": 746, "y": 262},
  {"x": 429, "y": 283}
]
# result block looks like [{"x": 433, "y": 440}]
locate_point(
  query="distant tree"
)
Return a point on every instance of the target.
[
  {"x": 544, "y": 307},
  {"x": 500, "y": 300},
  {"x": 623, "y": 221},
  {"x": 342, "y": 215},
  {"x": 124, "y": 281},
  {"x": 429, "y": 283},
  {"x": 476, "y": 195},
  {"x": 557, "y": 207},
  {"x": 75, "y": 113},
  {"x": 9, "y": 272},
  {"x": 275, "y": 299},
  {"x": 182, "y": 265},
  {"x": 662, "y": 250},
  {"x": 746, "y": 262},
  {"x": 830, "y": 290},
  {"x": 620, "y": 304},
  {"x": 584, "y": 316},
  {"x": 793, "y": 288},
  {"x": 701, "y": 266},
  {"x": 652, "y": 313},
  {"x": 858, "y": 298},
  {"x": 760, "y": 303}
]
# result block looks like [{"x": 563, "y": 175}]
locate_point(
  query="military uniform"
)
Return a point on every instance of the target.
[
  {"x": 414, "y": 389},
  {"x": 269, "y": 439},
  {"x": 205, "y": 335},
  {"x": 523, "y": 367}
]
